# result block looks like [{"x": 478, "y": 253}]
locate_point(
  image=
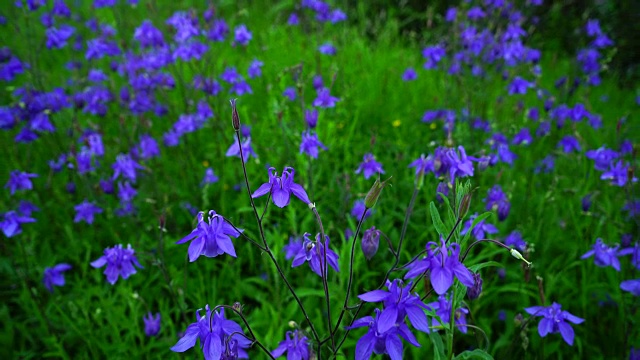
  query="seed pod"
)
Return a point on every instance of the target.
[
  {"x": 370, "y": 242},
  {"x": 234, "y": 116}
]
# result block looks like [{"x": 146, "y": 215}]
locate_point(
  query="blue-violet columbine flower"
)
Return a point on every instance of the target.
[
  {"x": 151, "y": 324},
  {"x": 604, "y": 255},
  {"x": 314, "y": 253},
  {"x": 211, "y": 237},
  {"x": 120, "y": 262},
  {"x": 281, "y": 188},
  {"x": 369, "y": 166},
  {"x": 54, "y": 276},
  {"x": 555, "y": 320},
  {"x": 295, "y": 344},
  {"x": 218, "y": 336}
]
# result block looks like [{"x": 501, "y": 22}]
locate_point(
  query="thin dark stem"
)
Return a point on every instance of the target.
[
  {"x": 253, "y": 338},
  {"x": 266, "y": 246},
  {"x": 325, "y": 275},
  {"x": 349, "y": 284},
  {"x": 403, "y": 233},
  {"x": 479, "y": 241},
  {"x": 420, "y": 254},
  {"x": 243, "y": 235}
]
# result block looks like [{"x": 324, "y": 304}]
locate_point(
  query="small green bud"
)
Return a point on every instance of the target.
[
  {"x": 235, "y": 119},
  {"x": 518, "y": 256},
  {"x": 372, "y": 196},
  {"x": 463, "y": 209}
]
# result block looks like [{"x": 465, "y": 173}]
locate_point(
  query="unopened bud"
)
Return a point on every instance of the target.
[
  {"x": 443, "y": 189},
  {"x": 463, "y": 209},
  {"x": 474, "y": 291},
  {"x": 293, "y": 324},
  {"x": 518, "y": 256},
  {"x": 234, "y": 115},
  {"x": 237, "y": 307},
  {"x": 370, "y": 242},
  {"x": 372, "y": 196}
]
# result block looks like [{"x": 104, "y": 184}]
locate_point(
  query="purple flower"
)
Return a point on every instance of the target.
[
  {"x": 99, "y": 48},
  {"x": 370, "y": 242},
  {"x": 586, "y": 202},
  {"x": 324, "y": 99},
  {"x": 19, "y": 180},
  {"x": 381, "y": 342},
  {"x": 220, "y": 338},
  {"x": 480, "y": 229},
  {"x": 633, "y": 251},
  {"x": 295, "y": 344},
  {"x": 523, "y": 137},
  {"x": 120, "y": 262},
  {"x": 475, "y": 13},
  {"x": 433, "y": 54},
  {"x": 281, "y": 188},
  {"x": 555, "y": 320},
  {"x": 496, "y": 200},
  {"x": 148, "y": 35},
  {"x": 57, "y": 37},
  {"x": 545, "y": 165},
  {"x": 290, "y": 93},
  {"x": 293, "y": 19},
  {"x": 126, "y": 167},
  {"x": 604, "y": 255},
  {"x": 409, "y": 75},
  {"x": 358, "y": 210},
  {"x": 209, "y": 177},
  {"x": 60, "y": 9},
  {"x": 443, "y": 310},
  {"x": 327, "y": 49},
  {"x": 148, "y": 147},
  {"x": 311, "y": 117},
  {"x": 632, "y": 286},
  {"x": 211, "y": 237},
  {"x": 292, "y": 248},
  {"x": 458, "y": 165},
  {"x": 10, "y": 225},
  {"x": 54, "y": 276},
  {"x": 242, "y": 35},
  {"x": 603, "y": 157},
  {"x": 26, "y": 208},
  {"x": 126, "y": 192},
  {"x": 314, "y": 253},
  {"x": 515, "y": 241},
  {"x": 519, "y": 86},
  {"x": 151, "y": 324},
  {"x": 618, "y": 173},
  {"x": 86, "y": 211},
  {"x": 451, "y": 14},
  {"x": 569, "y": 144},
  {"x": 369, "y": 166},
  {"x": 445, "y": 267},
  {"x": 474, "y": 291},
  {"x": 219, "y": 30},
  {"x": 247, "y": 149},
  {"x": 423, "y": 164},
  {"x": 310, "y": 144},
  {"x": 255, "y": 69}
]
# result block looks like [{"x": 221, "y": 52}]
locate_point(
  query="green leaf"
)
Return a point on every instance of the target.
[
  {"x": 438, "y": 345},
  {"x": 437, "y": 222},
  {"x": 474, "y": 354},
  {"x": 476, "y": 267}
]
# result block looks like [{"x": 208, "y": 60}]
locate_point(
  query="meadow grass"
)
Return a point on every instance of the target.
[{"x": 377, "y": 113}]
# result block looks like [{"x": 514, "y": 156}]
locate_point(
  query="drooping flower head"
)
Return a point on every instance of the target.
[
  {"x": 19, "y": 180},
  {"x": 555, "y": 320},
  {"x": 604, "y": 255},
  {"x": 247, "y": 149},
  {"x": 211, "y": 237},
  {"x": 480, "y": 229},
  {"x": 218, "y": 336},
  {"x": 310, "y": 144},
  {"x": 443, "y": 310},
  {"x": 55, "y": 276},
  {"x": 281, "y": 188},
  {"x": 151, "y": 324},
  {"x": 86, "y": 211},
  {"x": 295, "y": 344},
  {"x": 119, "y": 261},
  {"x": 11, "y": 223},
  {"x": 314, "y": 253}
]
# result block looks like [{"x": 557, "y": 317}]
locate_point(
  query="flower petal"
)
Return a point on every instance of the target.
[
  {"x": 441, "y": 279},
  {"x": 418, "y": 318},
  {"x": 280, "y": 197},
  {"x": 195, "y": 249},
  {"x": 545, "y": 327},
  {"x": 387, "y": 319},
  {"x": 374, "y": 296},
  {"x": 394, "y": 347},
  {"x": 188, "y": 340},
  {"x": 567, "y": 332},
  {"x": 299, "y": 192},
  {"x": 262, "y": 190},
  {"x": 364, "y": 346}
]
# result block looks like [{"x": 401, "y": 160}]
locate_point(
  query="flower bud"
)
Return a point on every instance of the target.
[
  {"x": 442, "y": 188},
  {"x": 372, "y": 196},
  {"x": 586, "y": 203},
  {"x": 234, "y": 115},
  {"x": 237, "y": 307},
  {"x": 518, "y": 256},
  {"x": 370, "y": 242},
  {"x": 474, "y": 291},
  {"x": 463, "y": 209}
]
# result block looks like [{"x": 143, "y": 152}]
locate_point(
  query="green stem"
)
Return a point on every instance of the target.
[{"x": 451, "y": 323}]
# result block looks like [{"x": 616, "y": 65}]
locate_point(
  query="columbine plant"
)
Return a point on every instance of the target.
[{"x": 402, "y": 306}]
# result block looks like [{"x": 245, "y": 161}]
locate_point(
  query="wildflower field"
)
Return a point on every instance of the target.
[{"x": 303, "y": 179}]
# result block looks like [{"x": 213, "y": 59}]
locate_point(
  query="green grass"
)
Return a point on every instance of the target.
[{"x": 378, "y": 113}]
